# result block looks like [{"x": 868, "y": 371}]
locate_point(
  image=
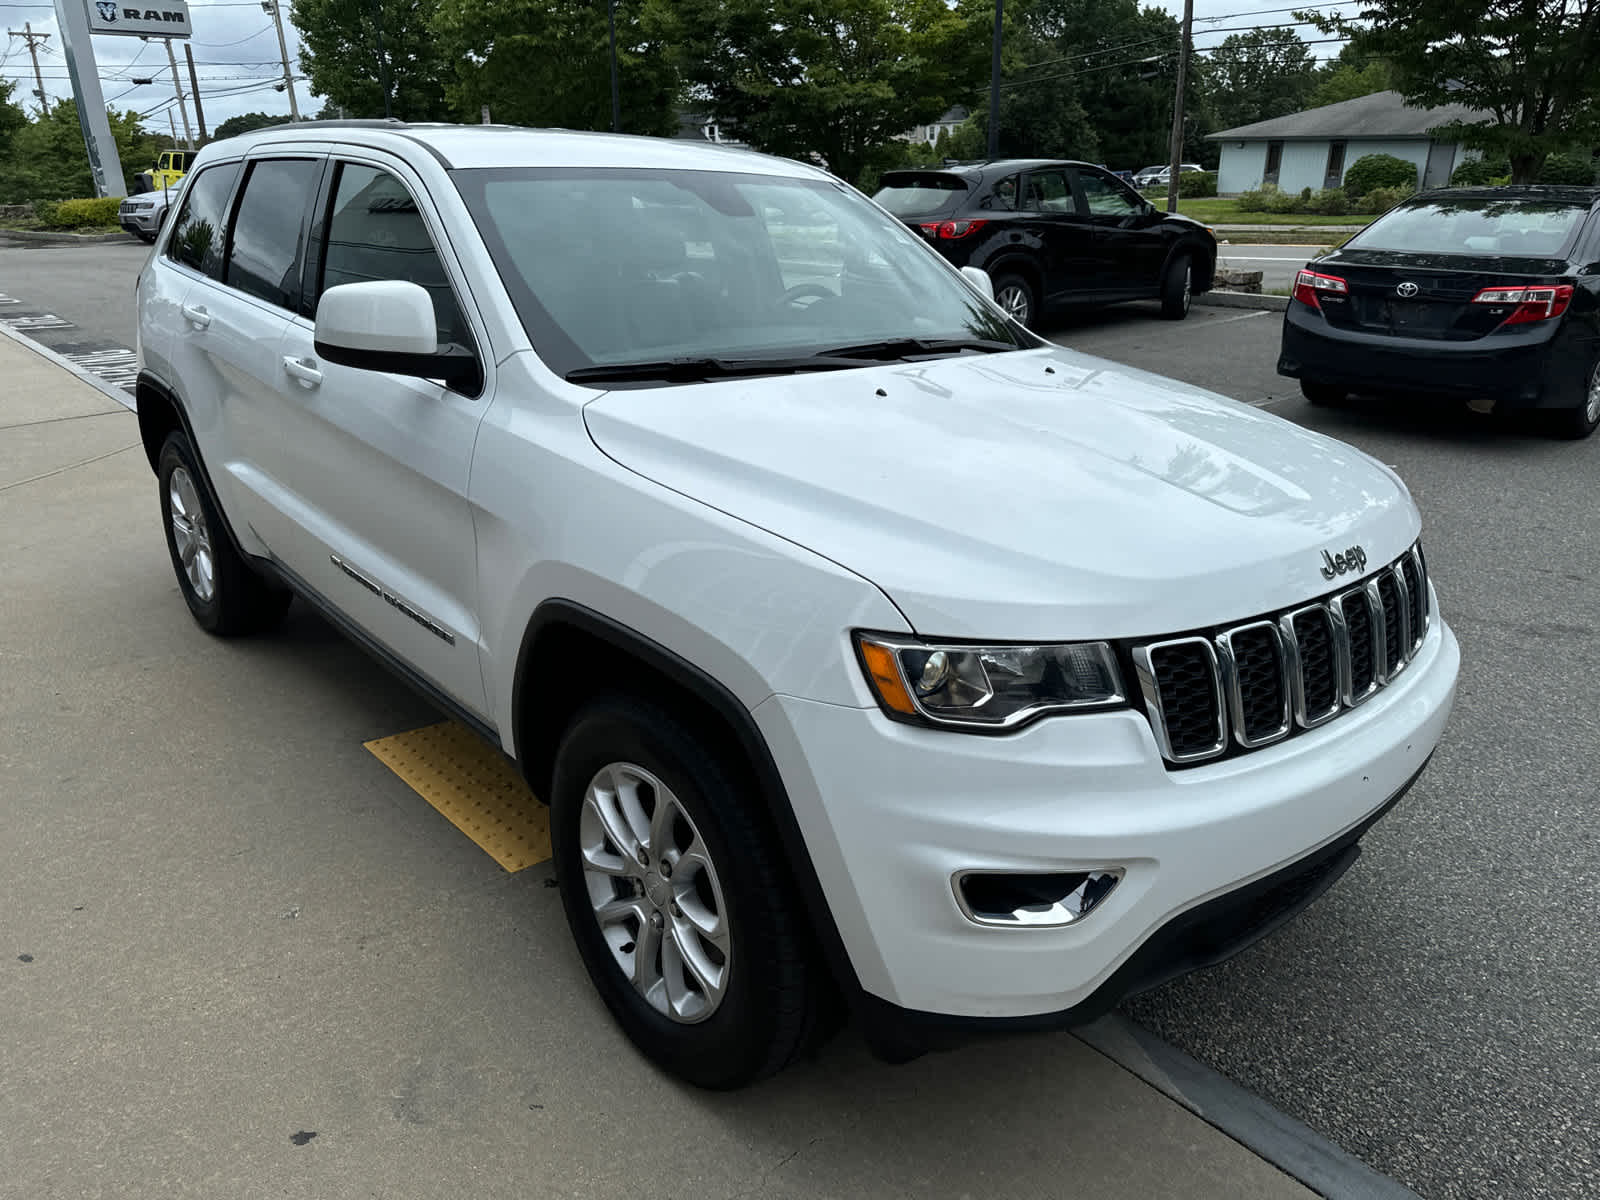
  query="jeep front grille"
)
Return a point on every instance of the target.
[{"x": 1254, "y": 684}]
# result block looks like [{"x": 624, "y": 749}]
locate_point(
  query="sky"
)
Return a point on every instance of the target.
[{"x": 236, "y": 55}]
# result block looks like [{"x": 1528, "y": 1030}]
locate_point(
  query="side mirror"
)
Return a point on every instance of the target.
[
  {"x": 978, "y": 279},
  {"x": 388, "y": 325}
]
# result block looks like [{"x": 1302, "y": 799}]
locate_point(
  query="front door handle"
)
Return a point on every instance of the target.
[
  {"x": 196, "y": 315},
  {"x": 303, "y": 369}
]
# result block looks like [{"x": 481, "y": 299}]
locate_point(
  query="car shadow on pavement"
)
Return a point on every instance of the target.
[{"x": 1438, "y": 420}]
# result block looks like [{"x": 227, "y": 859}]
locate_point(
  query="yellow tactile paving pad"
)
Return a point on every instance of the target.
[{"x": 474, "y": 787}]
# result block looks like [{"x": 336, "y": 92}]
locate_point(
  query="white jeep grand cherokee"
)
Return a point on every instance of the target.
[{"x": 864, "y": 645}]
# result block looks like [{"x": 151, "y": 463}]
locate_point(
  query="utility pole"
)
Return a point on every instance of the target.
[
  {"x": 1177, "y": 107},
  {"x": 283, "y": 50},
  {"x": 994, "y": 85},
  {"x": 383, "y": 56},
  {"x": 616, "y": 99},
  {"x": 33, "y": 39},
  {"x": 194, "y": 90},
  {"x": 177, "y": 86}
]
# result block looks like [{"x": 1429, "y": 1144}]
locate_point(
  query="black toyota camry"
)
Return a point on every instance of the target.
[{"x": 1487, "y": 295}]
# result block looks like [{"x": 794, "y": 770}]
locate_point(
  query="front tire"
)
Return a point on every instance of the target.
[
  {"x": 682, "y": 915},
  {"x": 1177, "y": 288},
  {"x": 1323, "y": 395},
  {"x": 1016, "y": 295},
  {"x": 225, "y": 596},
  {"x": 1582, "y": 420}
]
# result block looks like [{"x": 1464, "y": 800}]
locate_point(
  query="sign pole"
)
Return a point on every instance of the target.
[
  {"x": 177, "y": 86},
  {"x": 104, "y": 165}
]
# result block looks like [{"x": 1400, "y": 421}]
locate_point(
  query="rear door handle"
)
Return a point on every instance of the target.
[
  {"x": 196, "y": 315},
  {"x": 303, "y": 369}
]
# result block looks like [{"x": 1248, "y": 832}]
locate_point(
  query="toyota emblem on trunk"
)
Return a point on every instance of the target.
[{"x": 1406, "y": 289}]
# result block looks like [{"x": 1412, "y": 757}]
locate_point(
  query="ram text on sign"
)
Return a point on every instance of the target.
[{"x": 132, "y": 18}]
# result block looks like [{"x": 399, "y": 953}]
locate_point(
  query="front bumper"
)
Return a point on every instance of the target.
[
  {"x": 1519, "y": 368},
  {"x": 892, "y": 814},
  {"x": 137, "y": 221}
]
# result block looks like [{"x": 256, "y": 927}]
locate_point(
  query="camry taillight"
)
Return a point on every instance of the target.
[
  {"x": 1309, "y": 284},
  {"x": 1528, "y": 303}
]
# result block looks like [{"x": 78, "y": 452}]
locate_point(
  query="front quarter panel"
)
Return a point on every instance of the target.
[{"x": 558, "y": 520}]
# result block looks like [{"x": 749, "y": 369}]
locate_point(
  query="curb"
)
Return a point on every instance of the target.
[
  {"x": 1290, "y": 1145},
  {"x": 66, "y": 364},
  {"x": 1243, "y": 300},
  {"x": 36, "y": 237}
]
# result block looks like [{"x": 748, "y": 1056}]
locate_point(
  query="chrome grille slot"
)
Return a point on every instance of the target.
[{"x": 1262, "y": 681}]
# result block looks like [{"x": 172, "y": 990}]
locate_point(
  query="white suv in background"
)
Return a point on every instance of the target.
[{"x": 863, "y": 644}]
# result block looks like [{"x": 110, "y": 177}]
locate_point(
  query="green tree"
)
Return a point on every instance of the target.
[
  {"x": 547, "y": 62},
  {"x": 47, "y": 159},
  {"x": 339, "y": 55},
  {"x": 12, "y": 118},
  {"x": 1259, "y": 75},
  {"x": 835, "y": 78},
  {"x": 1527, "y": 65},
  {"x": 244, "y": 123},
  {"x": 1346, "y": 81}
]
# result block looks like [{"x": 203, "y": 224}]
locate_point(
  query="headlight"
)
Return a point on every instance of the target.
[{"x": 993, "y": 687}]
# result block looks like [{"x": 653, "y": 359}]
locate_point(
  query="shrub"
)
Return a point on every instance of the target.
[
  {"x": 1329, "y": 202},
  {"x": 75, "y": 214},
  {"x": 1381, "y": 200},
  {"x": 1256, "y": 199},
  {"x": 1479, "y": 172},
  {"x": 1379, "y": 171},
  {"x": 1196, "y": 185},
  {"x": 1567, "y": 168},
  {"x": 1285, "y": 202}
]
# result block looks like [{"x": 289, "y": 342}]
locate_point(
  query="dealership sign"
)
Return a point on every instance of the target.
[{"x": 168, "y": 18}]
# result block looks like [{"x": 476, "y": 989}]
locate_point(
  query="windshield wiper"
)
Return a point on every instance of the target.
[
  {"x": 693, "y": 370},
  {"x": 894, "y": 348}
]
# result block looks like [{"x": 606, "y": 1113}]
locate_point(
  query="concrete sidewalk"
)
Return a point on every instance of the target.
[{"x": 238, "y": 957}]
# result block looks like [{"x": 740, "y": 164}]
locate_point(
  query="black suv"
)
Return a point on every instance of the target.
[{"x": 1053, "y": 233}]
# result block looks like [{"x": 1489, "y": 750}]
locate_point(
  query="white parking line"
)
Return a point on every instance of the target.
[{"x": 1258, "y": 312}]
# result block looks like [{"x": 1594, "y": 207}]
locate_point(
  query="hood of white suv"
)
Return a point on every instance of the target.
[{"x": 1032, "y": 495}]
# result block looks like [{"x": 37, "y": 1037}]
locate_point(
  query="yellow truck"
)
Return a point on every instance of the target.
[{"x": 169, "y": 169}]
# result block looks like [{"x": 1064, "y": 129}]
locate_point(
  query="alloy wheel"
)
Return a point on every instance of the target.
[
  {"x": 1015, "y": 301},
  {"x": 655, "y": 892},
  {"x": 1591, "y": 409},
  {"x": 190, "y": 535}
]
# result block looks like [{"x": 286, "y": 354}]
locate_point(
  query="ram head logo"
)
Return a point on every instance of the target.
[{"x": 107, "y": 10}]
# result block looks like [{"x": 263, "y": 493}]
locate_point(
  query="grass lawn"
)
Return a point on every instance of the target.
[{"x": 1217, "y": 211}]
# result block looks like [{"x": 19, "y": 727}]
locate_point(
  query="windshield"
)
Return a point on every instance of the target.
[
  {"x": 1476, "y": 225},
  {"x": 920, "y": 195},
  {"x": 614, "y": 266}
]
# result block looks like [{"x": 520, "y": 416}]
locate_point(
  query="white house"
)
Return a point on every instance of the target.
[
  {"x": 1312, "y": 149},
  {"x": 952, "y": 120}
]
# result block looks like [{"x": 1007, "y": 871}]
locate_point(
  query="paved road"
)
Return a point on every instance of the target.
[
  {"x": 1277, "y": 264},
  {"x": 78, "y": 300},
  {"x": 1437, "y": 1013}
]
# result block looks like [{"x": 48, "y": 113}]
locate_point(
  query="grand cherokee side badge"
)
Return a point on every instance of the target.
[{"x": 1353, "y": 559}]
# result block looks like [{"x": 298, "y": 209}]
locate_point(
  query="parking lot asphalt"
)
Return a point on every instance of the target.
[
  {"x": 1277, "y": 264},
  {"x": 240, "y": 957},
  {"x": 1435, "y": 1014}
]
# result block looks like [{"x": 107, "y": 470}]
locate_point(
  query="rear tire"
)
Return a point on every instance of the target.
[
  {"x": 1323, "y": 395},
  {"x": 1016, "y": 295},
  {"x": 1580, "y": 421},
  {"x": 223, "y": 593},
  {"x": 1177, "y": 288},
  {"x": 706, "y": 965}
]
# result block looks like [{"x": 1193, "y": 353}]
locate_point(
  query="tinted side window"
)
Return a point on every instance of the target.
[
  {"x": 1048, "y": 192},
  {"x": 197, "y": 233},
  {"x": 264, "y": 251},
  {"x": 375, "y": 231},
  {"x": 1004, "y": 195},
  {"x": 1106, "y": 197}
]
